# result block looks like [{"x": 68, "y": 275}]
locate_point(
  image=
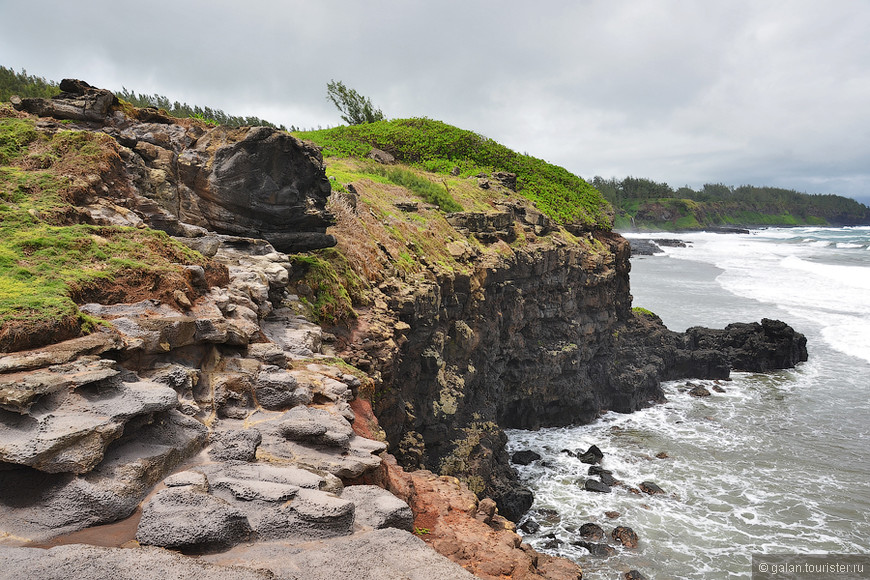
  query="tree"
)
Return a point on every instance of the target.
[{"x": 355, "y": 108}]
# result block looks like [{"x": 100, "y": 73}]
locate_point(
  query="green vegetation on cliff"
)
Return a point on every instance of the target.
[
  {"x": 645, "y": 204},
  {"x": 50, "y": 258},
  {"x": 438, "y": 148}
]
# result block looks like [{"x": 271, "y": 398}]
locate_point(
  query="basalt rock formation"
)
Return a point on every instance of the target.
[
  {"x": 543, "y": 335},
  {"x": 214, "y": 421},
  {"x": 252, "y": 181}
]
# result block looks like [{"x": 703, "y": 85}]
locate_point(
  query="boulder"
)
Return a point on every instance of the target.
[
  {"x": 593, "y": 532},
  {"x": 591, "y": 455},
  {"x": 625, "y": 536},
  {"x": 257, "y": 182},
  {"x": 650, "y": 488},
  {"x": 699, "y": 391},
  {"x": 278, "y": 390},
  {"x": 754, "y": 347},
  {"x": 235, "y": 444},
  {"x": 78, "y": 101},
  {"x": 596, "y": 486},
  {"x": 597, "y": 549},
  {"x": 525, "y": 457},
  {"x": 378, "y": 508},
  {"x": 191, "y": 521}
]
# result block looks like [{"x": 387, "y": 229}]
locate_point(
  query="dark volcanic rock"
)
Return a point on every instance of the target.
[
  {"x": 597, "y": 549},
  {"x": 755, "y": 347},
  {"x": 597, "y": 486},
  {"x": 591, "y": 455},
  {"x": 605, "y": 475},
  {"x": 78, "y": 101},
  {"x": 634, "y": 575},
  {"x": 590, "y": 531},
  {"x": 699, "y": 391},
  {"x": 625, "y": 536},
  {"x": 257, "y": 182},
  {"x": 644, "y": 247},
  {"x": 530, "y": 526},
  {"x": 191, "y": 521},
  {"x": 650, "y": 488},
  {"x": 524, "y": 457}
]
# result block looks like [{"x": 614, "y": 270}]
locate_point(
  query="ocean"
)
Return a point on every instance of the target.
[{"x": 777, "y": 463}]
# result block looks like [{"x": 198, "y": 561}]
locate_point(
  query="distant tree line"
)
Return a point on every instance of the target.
[
  {"x": 621, "y": 193},
  {"x": 24, "y": 85},
  {"x": 29, "y": 86}
]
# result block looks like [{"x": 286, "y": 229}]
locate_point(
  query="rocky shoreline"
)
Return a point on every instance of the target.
[{"x": 228, "y": 426}]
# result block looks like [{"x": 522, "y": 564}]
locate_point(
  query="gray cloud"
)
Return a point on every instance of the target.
[{"x": 733, "y": 91}]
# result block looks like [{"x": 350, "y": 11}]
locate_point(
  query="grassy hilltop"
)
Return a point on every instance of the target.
[{"x": 455, "y": 154}]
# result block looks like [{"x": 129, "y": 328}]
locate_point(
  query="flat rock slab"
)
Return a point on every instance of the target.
[
  {"x": 69, "y": 430},
  {"x": 191, "y": 521},
  {"x": 94, "y": 563},
  {"x": 372, "y": 555},
  {"x": 378, "y": 508}
]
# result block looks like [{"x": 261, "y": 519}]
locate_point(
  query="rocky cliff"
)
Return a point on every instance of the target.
[
  {"x": 204, "y": 398},
  {"x": 203, "y": 413}
]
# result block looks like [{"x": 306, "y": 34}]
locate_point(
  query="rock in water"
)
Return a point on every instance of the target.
[
  {"x": 592, "y": 455},
  {"x": 592, "y": 532},
  {"x": 625, "y": 536},
  {"x": 650, "y": 488},
  {"x": 596, "y": 486},
  {"x": 524, "y": 457}
]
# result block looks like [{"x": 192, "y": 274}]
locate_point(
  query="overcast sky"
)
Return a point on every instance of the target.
[{"x": 688, "y": 92}]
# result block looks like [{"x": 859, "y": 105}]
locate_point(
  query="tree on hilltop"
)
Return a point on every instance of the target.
[{"x": 355, "y": 108}]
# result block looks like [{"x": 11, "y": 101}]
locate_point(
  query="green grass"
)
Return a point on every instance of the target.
[
  {"x": 433, "y": 193},
  {"x": 438, "y": 147},
  {"x": 49, "y": 260},
  {"x": 336, "y": 288}
]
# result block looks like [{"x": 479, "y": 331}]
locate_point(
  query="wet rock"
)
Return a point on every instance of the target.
[
  {"x": 591, "y": 456},
  {"x": 593, "y": 532},
  {"x": 699, "y": 391},
  {"x": 625, "y": 536},
  {"x": 378, "y": 508},
  {"x": 650, "y": 488},
  {"x": 191, "y": 521},
  {"x": 596, "y": 549},
  {"x": 525, "y": 457},
  {"x": 634, "y": 575},
  {"x": 641, "y": 247},
  {"x": 596, "y": 486},
  {"x": 605, "y": 475},
  {"x": 755, "y": 347},
  {"x": 530, "y": 526},
  {"x": 612, "y": 515},
  {"x": 718, "y": 388},
  {"x": 662, "y": 455},
  {"x": 235, "y": 444}
]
